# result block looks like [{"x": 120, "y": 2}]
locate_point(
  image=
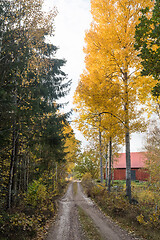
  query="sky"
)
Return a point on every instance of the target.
[{"x": 71, "y": 22}]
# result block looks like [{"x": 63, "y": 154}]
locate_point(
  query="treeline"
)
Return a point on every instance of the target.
[{"x": 32, "y": 134}]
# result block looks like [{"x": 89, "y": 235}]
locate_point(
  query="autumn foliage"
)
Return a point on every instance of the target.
[{"x": 111, "y": 85}]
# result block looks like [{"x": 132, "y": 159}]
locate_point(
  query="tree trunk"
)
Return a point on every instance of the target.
[
  {"x": 14, "y": 155},
  {"x": 24, "y": 171},
  {"x": 100, "y": 154},
  {"x": 128, "y": 166},
  {"x": 107, "y": 165},
  {"x": 12, "y": 164},
  {"x": 15, "y": 173},
  {"x": 112, "y": 172},
  {"x": 20, "y": 180},
  {"x": 110, "y": 162},
  {"x": 56, "y": 173},
  {"x": 127, "y": 140}
]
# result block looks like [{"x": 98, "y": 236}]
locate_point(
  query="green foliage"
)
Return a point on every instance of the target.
[
  {"x": 147, "y": 38},
  {"x": 29, "y": 218},
  {"x": 87, "y": 163},
  {"x": 36, "y": 194},
  {"x": 32, "y": 156}
]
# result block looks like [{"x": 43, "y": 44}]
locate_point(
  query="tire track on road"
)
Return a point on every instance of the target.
[{"x": 68, "y": 227}]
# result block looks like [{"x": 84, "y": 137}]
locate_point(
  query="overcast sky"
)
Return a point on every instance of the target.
[{"x": 72, "y": 21}]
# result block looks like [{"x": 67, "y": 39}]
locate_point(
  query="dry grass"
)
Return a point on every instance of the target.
[
  {"x": 141, "y": 218},
  {"x": 89, "y": 228}
]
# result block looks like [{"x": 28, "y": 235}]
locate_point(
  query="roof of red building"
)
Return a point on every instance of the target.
[{"x": 137, "y": 160}]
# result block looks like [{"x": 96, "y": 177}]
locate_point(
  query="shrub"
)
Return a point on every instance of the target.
[
  {"x": 36, "y": 194},
  {"x": 86, "y": 177},
  {"x": 150, "y": 221}
]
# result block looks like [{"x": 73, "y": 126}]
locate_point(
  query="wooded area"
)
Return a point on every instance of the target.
[{"x": 33, "y": 132}]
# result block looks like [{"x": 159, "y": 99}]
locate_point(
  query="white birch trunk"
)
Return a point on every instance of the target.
[
  {"x": 100, "y": 152},
  {"x": 110, "y": 162}
]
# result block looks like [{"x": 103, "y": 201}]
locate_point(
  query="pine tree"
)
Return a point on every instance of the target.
[
  {"x": 147, "y": 42},
  {"x": 31, "y": 82}
]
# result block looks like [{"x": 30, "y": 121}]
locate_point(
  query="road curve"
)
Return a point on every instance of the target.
[{"x": 67, "y": 225}]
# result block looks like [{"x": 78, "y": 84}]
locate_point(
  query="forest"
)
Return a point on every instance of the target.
[
  {"x": 118, "y": 94},
  {"x": 34, "y": 135}
]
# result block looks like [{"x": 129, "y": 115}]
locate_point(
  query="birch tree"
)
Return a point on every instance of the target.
[{"x": 113, "y": 68}]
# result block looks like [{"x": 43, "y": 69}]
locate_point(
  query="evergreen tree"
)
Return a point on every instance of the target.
[
  {"x": 148, "y": 40},
  {"x": 147, "y": 36},
  {"x": 31, "y": 82}
]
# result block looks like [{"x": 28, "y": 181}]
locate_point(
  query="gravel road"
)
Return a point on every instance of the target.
[{"x": 67, "y": 225}]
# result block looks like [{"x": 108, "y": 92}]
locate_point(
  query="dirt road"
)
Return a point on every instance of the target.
[{"x": 67, "y": 225}]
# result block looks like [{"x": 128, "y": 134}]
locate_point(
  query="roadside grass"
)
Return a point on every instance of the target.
[
  {"x": 89, "y": 228},
  {"x": 142, "y": 217}
]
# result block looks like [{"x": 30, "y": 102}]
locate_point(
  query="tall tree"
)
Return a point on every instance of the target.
[
  {"x": 147, "y": 40},
  {"x": 97, "y": 127},
  {"x": 31, "y": 82},
  {"x": 148, "y": 43},
  {"x": 72, "y": 145},
  {"x": 112, "y": 60}
]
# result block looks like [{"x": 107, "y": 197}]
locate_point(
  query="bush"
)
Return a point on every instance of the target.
[
  {"x": 36, "y": 194},
  {"x": 38, "y": 205},
  {"x": 87, "y": 177},
  {"x": 150, "y": 221}
]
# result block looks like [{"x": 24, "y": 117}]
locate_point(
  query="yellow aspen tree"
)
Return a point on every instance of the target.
[
  {"x": 111, "y": 58},
  {"x": 97, "y": 127}
]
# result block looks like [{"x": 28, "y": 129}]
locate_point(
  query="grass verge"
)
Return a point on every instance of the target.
[
  {"x": 74, "y": 188},
  {"x": 142, "y": 218},
  {"x": 89, "y": 228}
]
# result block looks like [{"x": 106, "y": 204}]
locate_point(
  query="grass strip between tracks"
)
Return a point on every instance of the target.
[
  {"x": 74, "y": 188},
  {"x": 89, "y": 228}
]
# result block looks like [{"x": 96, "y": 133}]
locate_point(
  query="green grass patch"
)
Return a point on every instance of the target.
[{"x": 89, "y": 228}]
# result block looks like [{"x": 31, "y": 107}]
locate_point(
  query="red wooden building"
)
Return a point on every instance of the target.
[{"x": 138, "y": 170}]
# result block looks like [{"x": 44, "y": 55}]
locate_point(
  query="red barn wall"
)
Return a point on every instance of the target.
[
  {"x": 120, "y": 174},
  {"x": 141, "y": 174}
]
